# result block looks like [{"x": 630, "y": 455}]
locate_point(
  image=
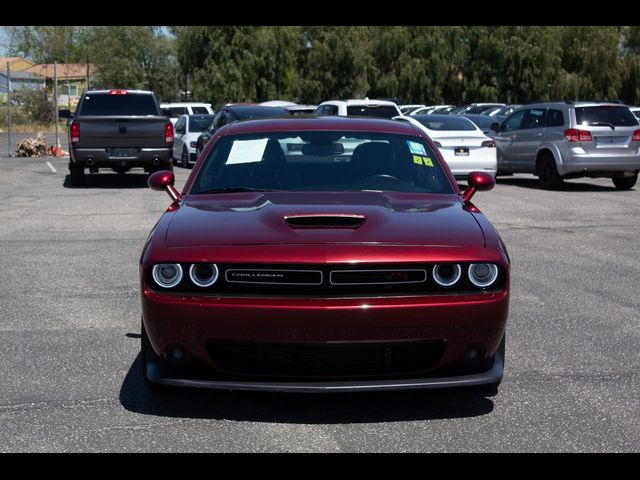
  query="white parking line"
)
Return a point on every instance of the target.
[{"x": 51, "y": 167}]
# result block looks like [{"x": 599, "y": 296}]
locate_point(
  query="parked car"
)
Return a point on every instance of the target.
[
  {"x": 118, "y": 129},
  {"x": 560, "y": 140},
  {"x": 407, "y": 109},
  {"x": 475, "y": 108},
  {"x": 300, "y": 109},
  {"x": 483, "y": 122},
  {"x": 433, "y": 109},
  {"x": 289, "y": 265},
  {"x": 360, "y": 108},
  {"x": 187, "y": 130},
  {"x": 500, "y": 113},
  {"x": 462, "y": 144},
  {"x": 186, "y": 108},
  {"x": 232, "y": 113}
]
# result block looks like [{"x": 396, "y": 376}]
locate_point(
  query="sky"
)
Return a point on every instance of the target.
[{"x": 4, "y": 43}]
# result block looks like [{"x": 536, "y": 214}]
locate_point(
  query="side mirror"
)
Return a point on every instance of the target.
[
  {"x": 495, "y": 126},
  {"x": 163, "y": 180},
  {"x": 478, "y": 182},
  {"x": 64, "y": 113}
]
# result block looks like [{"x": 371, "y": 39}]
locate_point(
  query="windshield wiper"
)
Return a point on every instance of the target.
[
  {"x": 233, "y": 190},
  {"x": 603, "y": 124}
]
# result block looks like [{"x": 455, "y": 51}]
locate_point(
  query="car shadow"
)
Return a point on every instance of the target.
[
  {"x": 110, "y": 180},
  {"x": 567, "y": 186},
  {"x": 296, "y": 408}
]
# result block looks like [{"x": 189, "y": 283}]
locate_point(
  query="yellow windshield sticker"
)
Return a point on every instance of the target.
[{"x": 426, "y": 161}]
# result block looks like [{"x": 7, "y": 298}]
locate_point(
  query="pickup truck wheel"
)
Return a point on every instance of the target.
[
  {"x": 548, "y": 174},
  {"x": 625, "y": 183},
  {"x": 76, "y": 173}
]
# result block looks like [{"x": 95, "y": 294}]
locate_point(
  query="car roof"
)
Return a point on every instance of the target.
[
  {"x": 128, "y": 90},
  {"x": 185, "y": 104},
  {"x": 355, "y": 101},
  {"x": 310, "y": 123},
  {"x": 244, "y": 111}
]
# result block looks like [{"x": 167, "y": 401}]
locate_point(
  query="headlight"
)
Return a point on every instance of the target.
[
  {"x": 447, "y": 274},
  {"x": 203, "y": 274},
  {"x": 483, "y": 274},
  {"x": 167, "y": 275}
]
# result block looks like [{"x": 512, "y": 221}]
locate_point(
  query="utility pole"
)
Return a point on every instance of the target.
[
  {"x": 55, "y": 104},
  {"x": 10, "y": 153}
]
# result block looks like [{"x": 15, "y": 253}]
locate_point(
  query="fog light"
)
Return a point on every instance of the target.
[
  {"x": 177, "y": 356},
  {"x": 473, "y": 355}
]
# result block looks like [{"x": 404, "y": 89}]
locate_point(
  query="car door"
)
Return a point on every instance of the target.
[
  {"x": 506, "y": 141},
  {"x": 530, "y": 137},
  {"x": 180, "y": 130}
]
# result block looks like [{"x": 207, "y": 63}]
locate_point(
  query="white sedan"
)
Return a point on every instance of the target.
[
  {"x": 462, "y": 144},
  {"x": 186, "y": 132}
]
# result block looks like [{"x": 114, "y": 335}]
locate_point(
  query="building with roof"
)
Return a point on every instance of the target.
[{"x": 16, "y": 64}]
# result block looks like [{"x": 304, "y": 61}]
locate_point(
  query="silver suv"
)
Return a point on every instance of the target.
[{"x": 559, "y": 140}]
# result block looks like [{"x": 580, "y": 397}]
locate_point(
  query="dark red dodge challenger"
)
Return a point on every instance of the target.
[{"x": 323, "y": 254}]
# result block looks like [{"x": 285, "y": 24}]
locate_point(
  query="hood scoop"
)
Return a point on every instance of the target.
[{"x": 322, "y": 220}]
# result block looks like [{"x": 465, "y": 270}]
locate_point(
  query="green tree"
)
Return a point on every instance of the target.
[
  {"x": 134, "y": 57},
  {"x": 591, "y": 61},
  {"x": 48, "y": 44}
]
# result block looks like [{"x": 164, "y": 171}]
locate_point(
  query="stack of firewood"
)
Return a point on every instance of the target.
[{"x": 32, "y": 147}]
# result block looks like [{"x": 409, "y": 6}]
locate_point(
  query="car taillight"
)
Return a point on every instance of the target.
[
  {"x": 168, "y": 132},
  {"x": 636, "y": 136},
  {"x": 489, "y": 144},
  {"x": 575, "y": 135},
  {"x": 75, "y": 132},
  {"x": 118, "y": 92}
]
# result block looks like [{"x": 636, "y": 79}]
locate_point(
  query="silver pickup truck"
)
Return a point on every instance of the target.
[{"x": 118, "y": 129}]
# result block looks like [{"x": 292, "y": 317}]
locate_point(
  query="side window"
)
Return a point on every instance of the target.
[
  {"x": 534, "y": 118},
  {"x": 555, "y": 118},
  {"x": 514, "y": 121},
  {"x": 332, "y": 110}
]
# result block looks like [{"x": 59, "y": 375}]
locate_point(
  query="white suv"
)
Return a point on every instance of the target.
[
  {"x": 360, "y": 108},
  {"x": 187, "y": 108}
]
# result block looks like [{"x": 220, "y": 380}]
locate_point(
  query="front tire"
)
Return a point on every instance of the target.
[
  {"x": 185, "y": 158},
  {"x": 625, "y": 183},
  {"x": 548, "y": 174}
]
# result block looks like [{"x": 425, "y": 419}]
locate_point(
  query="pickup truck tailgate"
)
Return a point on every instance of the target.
[{"x": 121, "y": 132}]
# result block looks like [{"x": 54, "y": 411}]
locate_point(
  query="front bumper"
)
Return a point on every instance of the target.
[
  {"x": 163, "y": 376},
  {"x": 459, "y": 321}
]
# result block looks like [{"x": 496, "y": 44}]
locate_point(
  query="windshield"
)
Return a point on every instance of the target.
[
  {"x": 380, "y": 111},
  {"x": 321, "y": 161},
  {"x": 605, "y": 115},
  {"x": 125, "y": 105}
]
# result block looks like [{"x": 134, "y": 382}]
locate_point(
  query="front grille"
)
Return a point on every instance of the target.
[
  {"x": 377, "y": 277},
  {"x": 274, "y": 276},
  {"x": 325, "y": 360}
]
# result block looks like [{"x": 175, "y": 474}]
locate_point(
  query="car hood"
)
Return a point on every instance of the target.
[{"x": 307, "y": 218}]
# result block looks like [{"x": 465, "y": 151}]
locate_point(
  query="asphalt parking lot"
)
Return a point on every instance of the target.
[{"x": 70, "y": 322}]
